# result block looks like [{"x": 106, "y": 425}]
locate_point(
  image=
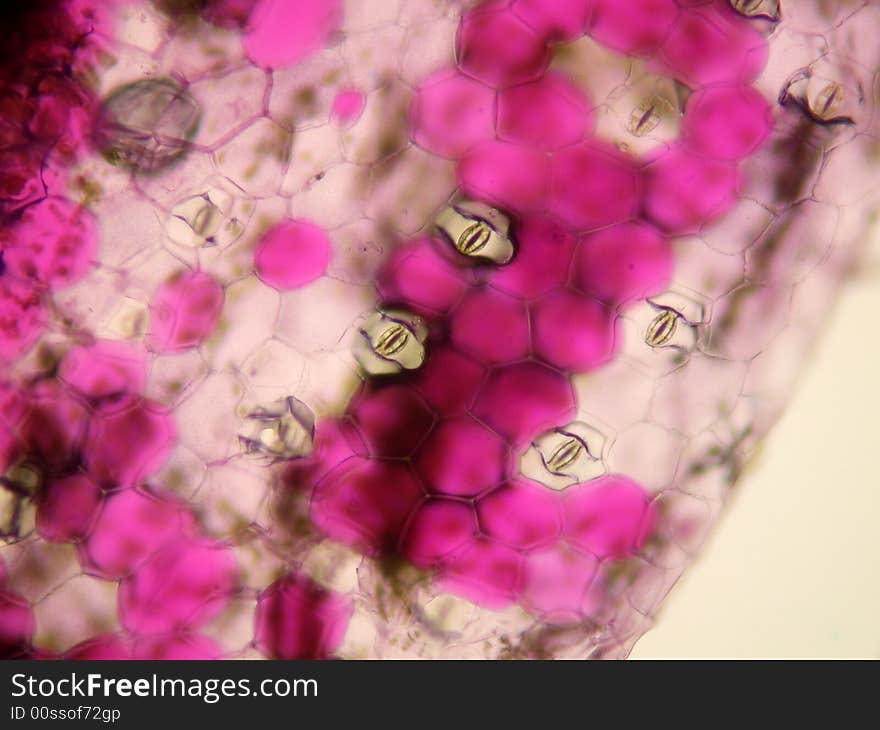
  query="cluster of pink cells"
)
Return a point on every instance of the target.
[{"x": 423, "y": 465}]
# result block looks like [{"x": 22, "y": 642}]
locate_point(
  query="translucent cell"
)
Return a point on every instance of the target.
[
  {"x": 184, "y": 312},
  {"x": 281, "y": 430},
  {"x": 215, "y": 217},
  {"x": 292, "y": 254}
]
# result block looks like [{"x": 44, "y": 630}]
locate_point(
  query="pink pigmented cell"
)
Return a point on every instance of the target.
[
  {"x": 105, "y": 647},
  {"x": 131, "y": 526},
  {"x": 22, "y": 318},
  {"x": 184, "y": 312},
  {"x": 127, "y": 441},
  {"x": 297, "y": 619},
  {"x": 485, "y": 573},
  {"x": 393, "y": 420},
  {"x": 548, "y": 113},
  {"x": 281, "y": 33},
  {"x": 461, "y": 457},
  {"x": 495, "y": 46},
  {"x": 726, "y": 122},
  {"x": 16, "y": 626},
  {"x": 593, "y": 185},
  {"x": 185, "y": 647},
  {"x": 451, "y": 113},
  {"x": 20, "y": 180},
  {"x": 67, "y": 508},
  {"x": 572, "y": 332},
  {"x": 449, "y": 381},
  {"x": 521, "y": 514},
  {"x": 52, "y": 432},
  {"x": 555, "y": 20},
  {"x": 706, "y": 46},
  {"x": 541, "y": 264},
  {"x": 334, "y": 442},
  {"x": 184, "y": 585},
  {"x": 622, "y": 263},
  {"x": 292, "y": 254},
  {"x": 521, "y": 401},
  {"x": 513, "y": 177},
  {"x": 491, "y": 327},
  {"x": 439, "y": 529},
  {"x": 53, "y": 243},
  {"x": 555, "y": 582},
  {"x": 417, "y": 277},
  {"x": 634, "y": 27},
  {"x": 104, "y": 369},
  {"x": 364, "y": 503},
  {"x": 347, "y": 106},
  {"x": 228, "y": 13},
  {"x": 611, "y": 517},
  {"x": 684, "y": 191}
]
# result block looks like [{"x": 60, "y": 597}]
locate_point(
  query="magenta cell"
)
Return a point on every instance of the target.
[
  {"x": 593, "y": 186},
  {"x": 706, "y": 46},
  {"x": 53, "y": 430},
  {"x": 495, "y": 46},
  {"x": 22, "y": 318},
  {"x": 67, "y": 508},
  {"x": 182, "y": 586},
  {"x": 54, "y": 243},
  {"x": 127, "y": 441},
  {"x": 392, "y": 420},
  {"x": 104, "y": 369},
  {"x": 555, "y": 20},
  {"x": 635, "y": 27},
  {"x": 548, "y": 113},
  {"x": 131, "y": 526},
  {"x": 610, "y": 517},
  {"x": 555, "y": 583},
  {"x": 542, "y": 262},
  {"x": 347, "y": 106},
  {"x": 282, "y": 33},
  {"x": 231, "y": 14},
  {"x": 105, "y": 647},
  {"x": 461, "y": 457},
  {"x": 184, "y": 312},
  {"x": 572, "y": 332},
  {"x": 491, "y": 326},
  {"x": 292, "y": 254},
  {"x": 452, "y": 113},
  {"x": 684, "y": 191},
  {"x": 298, "y": 619},
  {"x": 418, "y": 277},
  {"x": 438, "y": 530},
  {"x": 486, "y": 573},
  {"x": 365, "y": 503},
  {"x": 512, "y": 176},
  {"x": 622, "y": 263},
  {"x": 16, "y": 626},
  {"x": 521, "y": 401},
  {"x": 449, "y": 381},
  {"x": 521, "y": 514},
  {"x": 334, "y": 442},
  {"x": 20, "y": 181},
  {"x": 182, "y": 647},
  {"x": 726, "y": 122}
]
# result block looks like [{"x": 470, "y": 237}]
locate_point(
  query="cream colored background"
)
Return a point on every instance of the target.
[{"x": 793, "y": 570}]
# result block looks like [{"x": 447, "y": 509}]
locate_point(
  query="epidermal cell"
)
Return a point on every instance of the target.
[
  {"x": 284, "y": 429},
  {"x": 146, "y": 125},
  {"x": 215, "y": 217},
  {"x": 390, "y": 341},
  {"x": 564, "y": 456},
  {"x": 477, "y": 231}
]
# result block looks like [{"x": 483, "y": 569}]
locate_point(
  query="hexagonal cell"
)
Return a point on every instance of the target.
[
  {"x": 567, "y": 455},
  {"x": 256, "y": 157},
  {"x": 648, "y": 453},
  {"x": 555, "y": 20},
  {"x": 556, "y": 581},
  {"x": 227, "y": 101},
  {"x": 490, "y": 326},
  {"x": 184, "y": 312},
  {"x": 512, "y": 176},
  {"x": 486, "y": 573},
  {"x": 542, "y": 262},
  {"x": 439, "y": 529},
  {"x": 636, "y": 27},
  {"x": 216, "y": 438},
  {"x": 449, "y": 381},
  {"x": 521, "y": 514},
  {"x": 392, "y": 420},
  {"x": 104, "y": 369}
]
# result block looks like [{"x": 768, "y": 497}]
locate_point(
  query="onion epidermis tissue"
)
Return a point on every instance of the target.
[{"x": 403, "y": 328}]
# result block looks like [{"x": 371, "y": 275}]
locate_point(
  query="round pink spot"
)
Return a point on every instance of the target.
[
  {"x": 572, "y": 332},
  {"x": 611, "y": 517},
  {"x": 184, "y": 312},
  {"x": 292, "y": 254},
  {"x": 282, "y": 33},
  {"x": 104, "y": 369},
  {"x": 22, "y": 318},
  {"x": 498, "y": 48},
  {"x": 555, "y": 582},
  {"x": 521, "y": 514},
  {"x": 491, "y": 326},
  {"x": 486, "y": 573},
  {"x": 393, "y": 420},
  {"x": 523, "y": 400},
  {"x": 297, "y": 619},
  {"x": 184, "y": 585},
  {"x": 461, "y": 457},
  {"x": 593, "y": 185},
  {"x": 625, "y": 262},
  {"x": 634, "y": 27},
  {"x": 128, "y": 441},
  {"x": 365, "y": 503},
  {"x": 439, "y": 529},
  {"x": 347, "y": 106},
  {"x": 726, "y": 122},
  {"x": 548, "y": 113},
  {"x": 67, "y": 508},
  {"x": 451, "y": 113},
  {"x": 54, "y": 243},
  {"x": 555, "y": 20},
  {"x": 449, "y": 381},
  {"x": 541, "y": 264},
  {"x": 511, "y": 176},
  {"x": 683, "y": 191}
]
